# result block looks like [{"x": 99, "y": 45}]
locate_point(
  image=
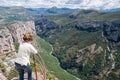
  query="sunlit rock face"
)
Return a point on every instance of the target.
[
  {"x": 13, "y": 33},
  {"x": 6, "y": 41},
  {"x": 19, "y": 28}
]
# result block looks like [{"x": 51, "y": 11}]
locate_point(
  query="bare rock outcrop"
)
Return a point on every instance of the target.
[
  {"x": 6, "y": 41},
  {"x": 13, "y": 33},
  {"x": 17, "y": 29}
]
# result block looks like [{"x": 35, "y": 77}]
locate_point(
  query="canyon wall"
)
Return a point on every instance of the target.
[{"x": 13, "y": 32}]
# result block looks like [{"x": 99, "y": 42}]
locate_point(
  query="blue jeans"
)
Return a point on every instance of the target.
[{"x": 21, "y": 70}]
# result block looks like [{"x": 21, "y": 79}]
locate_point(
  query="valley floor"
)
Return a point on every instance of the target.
[{"x": 52, "y": 63}]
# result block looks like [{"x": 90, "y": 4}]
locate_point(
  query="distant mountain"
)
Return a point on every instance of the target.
[
  {"x": 51, "y": 11},
  {"x": 57, "y": 11},
  {"x": 85, "y": 15},
  {"x": 112, "y": 10},
  {"x": 10, "y": 14}
]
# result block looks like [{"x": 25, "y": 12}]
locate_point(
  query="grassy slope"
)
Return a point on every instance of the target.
[
  {"x": 51, "y": 62},
  {"x": 65, "y": 19}
]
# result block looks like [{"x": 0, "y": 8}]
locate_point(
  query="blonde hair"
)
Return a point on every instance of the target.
[{"x": 27, "y": 37}]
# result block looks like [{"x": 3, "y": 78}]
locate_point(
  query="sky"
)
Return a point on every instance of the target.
[{"x": 84, "y": 4}]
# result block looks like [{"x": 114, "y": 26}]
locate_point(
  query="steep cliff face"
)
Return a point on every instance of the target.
[
  {"x": 6, "y": 41},
  {"x": 43, "y": 25},
  {"x": 111, "y": 29},
  {"x": 9, "y": 34},
  {"x": 17, "y": 29},
  {"x": 13, "y": 33}
]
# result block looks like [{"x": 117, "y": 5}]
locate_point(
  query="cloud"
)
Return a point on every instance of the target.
[
  {"x": 74, "y": 1},
  {"x": 85, "y": 4}
]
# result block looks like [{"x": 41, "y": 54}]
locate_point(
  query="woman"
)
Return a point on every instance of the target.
[{"x": 22, "y": 62}]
